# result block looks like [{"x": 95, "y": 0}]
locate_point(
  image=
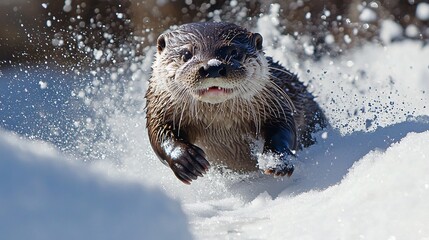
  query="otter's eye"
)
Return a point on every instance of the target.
[
  {"x": 186, "y": 55},
  {"x": 236, "y": 54}
]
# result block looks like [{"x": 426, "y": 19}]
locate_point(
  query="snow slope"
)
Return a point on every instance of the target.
[
  {"x": 366, "y": 178},
  {"x": 384, "y": 196},
  {"x": 44, "y": 195}
]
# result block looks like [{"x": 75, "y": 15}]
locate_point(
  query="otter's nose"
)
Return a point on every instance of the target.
[{"x": 213, "y": 69}]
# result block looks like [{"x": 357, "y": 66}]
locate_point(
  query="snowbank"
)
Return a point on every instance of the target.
[
  {"x": 384, "y": 196},
  {"x": 43, "y": 195}
]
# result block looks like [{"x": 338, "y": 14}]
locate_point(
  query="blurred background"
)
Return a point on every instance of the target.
[{"x": 68, "y": 31}]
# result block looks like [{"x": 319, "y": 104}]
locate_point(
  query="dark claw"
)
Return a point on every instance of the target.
[
  {"x": 200, "y": 156},
  {"x": 186, "y": 168},
  {"x": 199, "y": 167},
  {"x": 188, "y": 163},
  {"x": 178, "y": 169},
  {"x": 183, "y": 179}
]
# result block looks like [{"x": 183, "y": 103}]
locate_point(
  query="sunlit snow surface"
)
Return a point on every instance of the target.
[
  {"x": 44, "y": 195},
  {"x": 366, "y": 178}
]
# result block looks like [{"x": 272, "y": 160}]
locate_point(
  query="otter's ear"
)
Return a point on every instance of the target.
[
  {"x": 257, "y": 41},
  {"x": 161, "y": 43}
]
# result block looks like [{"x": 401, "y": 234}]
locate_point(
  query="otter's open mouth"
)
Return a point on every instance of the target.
[
  {"x": 214, "y": 94},
  {"x": 215, "y": 90}
]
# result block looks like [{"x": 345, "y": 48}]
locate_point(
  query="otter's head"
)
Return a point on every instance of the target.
[{"x": 211, "y": 62}]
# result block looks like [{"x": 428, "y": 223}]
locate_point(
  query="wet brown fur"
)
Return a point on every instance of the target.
[{"x": 225, "y": 131}]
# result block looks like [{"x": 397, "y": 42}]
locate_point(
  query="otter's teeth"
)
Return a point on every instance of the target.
[{"x": 217, "y": 88}]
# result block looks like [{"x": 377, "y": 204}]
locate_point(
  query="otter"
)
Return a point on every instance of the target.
[{"x": 213, "y": 93}]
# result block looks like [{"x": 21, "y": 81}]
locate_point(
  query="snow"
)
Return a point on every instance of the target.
[
  {"x": 214, "y": 62},
  {"x": 390, "y": 31},
  {"x": 43, "y": 85},
  {"x": 382, "y": 196},
  {"x": 329, "y": 39},
  {"x": 347, "y": 39},
  {"x": 366, "y": 178},
  {"x": 368, "y": 15},
  {"x": 364, "y": 90},
  {"x": 422, "y": 11},
  {"x": 412, "y": 31},
  {"x": 67, "y": 6},
  {"x": 44, "y": 195},
  {"x": 97, "y": 54}
]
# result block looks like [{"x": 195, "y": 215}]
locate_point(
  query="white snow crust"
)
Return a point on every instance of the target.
[{"x": 45, "y": 195}]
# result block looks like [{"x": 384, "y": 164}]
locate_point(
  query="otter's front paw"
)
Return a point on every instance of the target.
[
  {"x": 280, "y": 171},
  {"x": 187, "y": 162},
  {"x": 278, "y": 165}
]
